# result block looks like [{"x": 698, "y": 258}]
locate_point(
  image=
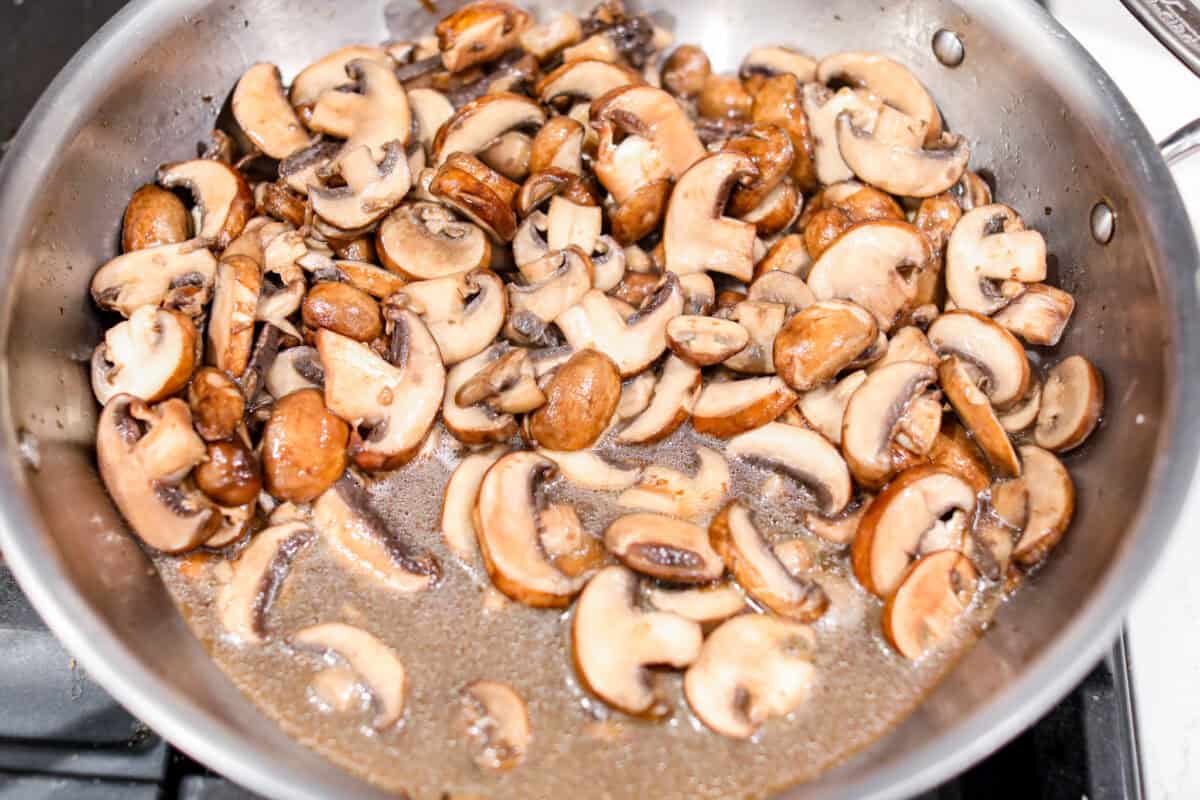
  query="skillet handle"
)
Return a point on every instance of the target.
[{"x": 1182, "y": 143}]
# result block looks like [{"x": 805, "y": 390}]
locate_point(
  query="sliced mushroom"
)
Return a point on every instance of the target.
[
  {"x": 977, "y": 414},
  {"x": 294, "y": 369},
  {"x": 918, "y": 512},
  {"x": 371, "y": 189},
  {"x": 704, "y": 341},
  {"x": 342, "y": 309},
  {"x": 304, "y": 168},
  {"x": 397, "y": 399},
  {"x": 303, "y": 447},
  {"x": 581, "y": 399},
  {"x": 149, "y": 356},
  {"x": 495, "y": 721},
  {"x": 801, "y": 454},
  {"x": 329, "y": 72},
  {"x": 458, "y": 502},
  {"x": 360, "y": 537},
  {"x": 842, "y": 529},
  {"x": 585, "y": 468},
  {"x": 545, "y": 40},
  {"x": 584, "y": 80},
  {"x": 423, "y": 241},
  {"x": 696, "y": 235},
  {"x": 1039, "y": 315},
  {"x": 656, "y": 116},
  {"x": 1025, "y": 412},
  {"x": 898, "y": 166},
  {"x": 669, "y": 406},
  {"x": 264, "y": 114},
  {"x": 824, "y": 407},
  {"x": 636, "y": 395},
  {"x": 929, "y": 603},
  {"x": 234, "y": 310},
  {"x": 724, "y": 97},
  {"x": 478, "y": 124},
  {"x": 989, "y": 347},
  {"x": 224, "y": 202},
  {"x": 954, "y": 451},
  {"x": 731, "y": 407},
  {"x": 778, "y": 101},
  {"x": 788, "y": 255},
  {"x": 471, "y": 423},
  {"x": 874, "y": 414},
  {"x": 613, "y": 642},
  {"x": 907, "y": 344},
  {"x": 508, "y": 384},
  {"x": 891, "y": 82},
  {"x": 995, "y": 534},
  {"x": 464, "y": 313},
  {"x": 667, "y": 491},
  {"x": 566, "y": 282},
  {"x": 1051, "y": 505},
  {"x": 778, "y": 61},
  {"x": 153, "y": 218},
  {"x": 782, "y": 288},
  {"x": 469, "y": 186},
  {"x": 664, "y": 547},
  {"x": 874, "y": 264},
  {"x": 480, "y": 32},
  {"x": 707, "y": 605},
  {"x": 989, "y": 256},
  {"x": 820, "y": 341},
  {"x": 1072, "y": 401},
  {"x": 258, "y": 574},
  {"x": 753, "y": 667},
  {"x": 762, "y": 321},
  {"x": 823, "y": 108},
  {"x": 373, "y": 117},
  {"x": 608, "y": 264},
  {"x": 685, "y": 71},
  {"x": 375, "y": 662},
  {"x": 216, "y": 403},
  {"x": 509, "y": 531},
  {"x": 634, "y": 343}
]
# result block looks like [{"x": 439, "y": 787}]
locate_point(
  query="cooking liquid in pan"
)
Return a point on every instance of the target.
[{"x": 463, "y": 630}]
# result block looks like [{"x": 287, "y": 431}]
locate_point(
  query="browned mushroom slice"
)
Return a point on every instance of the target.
[
  {"x": 216, "y": 403},
  {"x": 696, "y": 235},
  {"x": 1025, "y": 412},
  {"x": 371, "y": 189},
  {"x": 224, "y": 202},
  {"x": 657, "y": 116},
  {"x": 584, "y": 79},
  {"x": 664, "y": 547},
  {"x": 731, "y": 407},
  {"x": 1072, "y": 401},
  {"x": 634, "y": 343},
  {"x": 343, "y": 309},
  {"x": 897, "y": 166},
  {"x": 613, "y": 642},
  {"x": 173, "y": 276},
  {"x": 495, "y": 721},
  {"x": 929, "y": 602},
  {"x": 258, "y": 574},
  {"x": 753, "y": 667},
  {"x": 329, "y": 72},
  {"x": 294, "y": 369},
  {"x": 874, "y": 264},
  {"x": 823, "y": 108},
  {"x": 989, "y": 256},
  {"x": 1039, "y": 315},
  {"x": 150, "y": 356},
  {"x": 509, "y": 534},
  {"x": 264, "y": 114},
  {"x": 772, "y": 152},
  {"x": 775, "y": 60},
  {"x": 585, "y": 468},
  {"x": 995, "y": 534},
  {"x": 458, "y": 502},
  {"x": 144, "y": 454},
  {"x": 153, "y": 218},
  {"x": 977, "y": 414},
  {"x": 396, "y": 399},
  {"x": 820, "y": 341},
  {"x": 669, "y": 405},
  {"x": 922, "y": 510},
  {"x": 557, "y": 150},
  {"x": 480, "y": 32},
  {"x": 957, "y": 453},
  {"x": 638, "y": 177},
  {"x": 481, "y": 122},
  {"x": 668, "y": 491},
  {"x": 372, "y": 117},
  {"x": 234, "y": 310},
  {"x": 375, "y": 662},
  {"x": 788, "y": 255},
  {"x": 547, "y": 39},
  {"x": 824, "y": 408},
  {"x": 704, "y": 341},
  {"x": 464, "y": 313},
  {"x": 803, "y": 455},
  {"x": 423, "y": 241},
  {"x": 756, "y": 568},
  {"x": 707, "y": 605},
  {"x": 782, "y": 288},
  {"x": 581, "y": 399},
  {"x": 891, "y": 82},
  {"x": 509, "y": 155},
  {"x": 841, "y": 529},
  {"x": 1051, "y": 505},
  {"x": 534, "y": 306},
  {"x": 375, "y": 281},
  {"x": 508, "y": 384},
  {"x": 873, "y": 417},
  {"x": 762, "y": 321},
  {"x": 993, "y": 350},
  {"x": 472, "y": 423},
  {"x": 479, "y": 193},
  {"x": 636, "y": 395},
  {"x": 907, "y": 344}
]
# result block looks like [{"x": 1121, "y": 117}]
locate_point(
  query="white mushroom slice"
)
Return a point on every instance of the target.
[
  {"x": 585, "y": 468},
  {"x": 375, "y": 281},
  {"x": 669, "y": 406},
  {"x": 548, "y": 39},
  {"x": 479, "y": 32},
  {"x": 508, "y": 385},
  {"x": 920, "y": 511},
  {"x": 1072, "y": 401},
  {"x": 149, "y": 356},
  {"x": 731, "y": 407},
  {"x": 535, "y": 306},
  {"x": 396, "y": 400},
  {"x": 475, "y": 423},
  {"x": 803, "y": 455},
  {"x": 371, "y": 189},
  {"x": 509, "y": 534},
  {"x": 632, "y": 344},
  {"x": 658, "y": 117},
  {"x": 875, "y": 264},
  {"x": 360, "y": 537},
  {"x": 173, "y": 276},
  {"x": 481, "y": 122},
  {"x": 569, "y": 223},
  {"x": 372, "y": 117},
  {"x": 1039, "y": 315},
  {"x": 889, "y": 81},
  {"x": 704, "y": 604},
  {"x": 704, "y": 341},
  {"x": 258, "y": 574},
  {"x": 375, "y": 662},
  {"x": 752, "y": 668},
  {"x": 779, "y": 61},
  {"x": 304, "y": 168},
  {"x": 1025, "y": 412},
  {"x": 907, "y": 344},
  {"x": 262, "y": 111},
  {"x": 294, "y": 369},
  {"x": 613, "y": 642},
  {"x": 458, "y": 502},
  {"x": 898, "y": 167},
  {"x": 664, "y": 547},
  {"x": 842, "y": 529},
  {"x": 959, "y": 382},
  {"x": 696, "y": 235},
  {"x": 224, "y": 202},
  {"x": 667, "y": 491},
  {"x": 873, "y": 415},
  {"x": 763, "y": 322},
  {"x": 783, "y": 288},
  {"x": 329, "y": 72},
  {"x": 989, "y": 255},
  {"x": 759, "y": 571},
  {"x": 584, "y": 80},
  {"x": 529, "y": 246},
  {"x": 464, "y": 313},
  {"x": 432, "y": 109},
  {"x": 1051, "y": 505},
  {"x": 636, "y": 396},
  {"x": 989, "y": 347},
  {"x": 823, "y": 108},
  {"x": 496, "y": 723},
  {"x": 929, "y": 603},
  {"x": 824, "y": 408},
  {"x": 423, "y": 241}
]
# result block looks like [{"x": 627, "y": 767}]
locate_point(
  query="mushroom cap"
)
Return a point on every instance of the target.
[
  {"x": 375, "y": 662},
  {"x": 258, "y": 574},
  {"x": 149, "y": 356},
  {"x": 470, "y": 187},
  {"x": 613, "y": 642},
  {"x": 154, "y": 217},
  {"x": 704, "y": 341},
  {"x": 890, "y": 81},
  {"x": 1051, "y": 505},
  {"x": 990, "y": 244},
  {"x": 668, "y": 491},
  {"x": 668, "y": 406},
  {"x": 873, "y": 415},
  {"x": 423, "y": 240},
  {"x": 224, "y": 202},
  {"x": 697, "y": 237},
  {"x": 1072, "y": 401},
  {"x": 929, "y": 602},
  {"x": 728, "y": 408},
  {"x": 303, "y": 447},
  {"x": 479, "y": 123},
  {"x": 978, "y": 415},
  {"x": 989, "y": 347},
  {"x": 581, "y": 398},
  {"x": 821, "y": 340},
  {"x": 751, "y": 668},
  {"x": 909, "y": 509},
  {"x": 264, "y": 114},
  {"x": 757, "y": 569},
  {"x": 458, "y": 502},
  {"x": 663, "y": 547},
  {"x": 496, "y": 722},
  {"x": 803, "y": 455},
  {"x": 176, "y": 275}
]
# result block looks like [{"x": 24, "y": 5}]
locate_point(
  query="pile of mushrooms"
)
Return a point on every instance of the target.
[{"x": 548, "y": 237}]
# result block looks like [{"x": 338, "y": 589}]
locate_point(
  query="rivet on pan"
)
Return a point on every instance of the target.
[
  {"x": 948, "y": 47},
  {"x": 1104, "y": 222}
]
